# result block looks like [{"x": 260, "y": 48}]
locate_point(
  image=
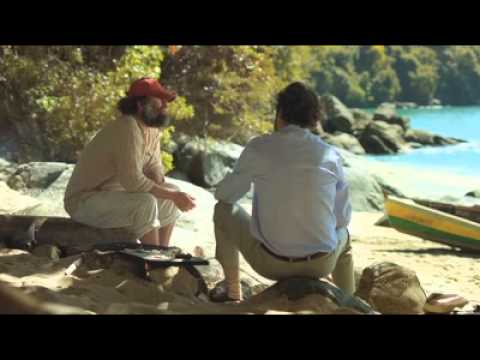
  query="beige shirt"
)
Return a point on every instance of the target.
[{"x": 117, "y": 158}]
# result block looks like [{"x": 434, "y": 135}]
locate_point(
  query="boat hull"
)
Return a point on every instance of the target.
[{"x": 413, "y": 219}]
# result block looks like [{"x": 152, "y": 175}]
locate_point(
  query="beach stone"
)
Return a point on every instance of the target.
[
  {"x": 391, "y": 289},
  {"x": 304, "y": 294},
  {"x": 336, "y": 115},
  {"x": 344, "y": 141},
  {"x": 51, "y": 252},
  {"x": 205, "y": 162}
]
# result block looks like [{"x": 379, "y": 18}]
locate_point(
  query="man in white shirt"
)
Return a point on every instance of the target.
[{"x": 301, "y": 206}]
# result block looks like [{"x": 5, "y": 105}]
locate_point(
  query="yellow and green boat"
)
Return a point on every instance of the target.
[{"x": 425, "y": 221}]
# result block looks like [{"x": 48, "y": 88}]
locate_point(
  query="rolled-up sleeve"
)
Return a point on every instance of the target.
[
  {"x": 128, "y": 158},
  {"x": 237, "y": 183}
]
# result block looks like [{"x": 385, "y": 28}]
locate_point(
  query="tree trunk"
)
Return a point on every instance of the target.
[{"x": 63, "y": 232}]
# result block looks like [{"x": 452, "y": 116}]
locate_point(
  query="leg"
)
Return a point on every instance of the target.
[
  {"x": 232, "y": 234},
  {"x": 151, "y": 238},
  {"x": 167, "y": 215},
  {"x": 343, "y": 274},
  {"x": 165, "y": 234},
  {"x": 136, "y": 212}
]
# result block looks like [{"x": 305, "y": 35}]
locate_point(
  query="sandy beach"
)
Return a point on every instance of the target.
[
  {"x": 99, "y": 290},
  {"x": 96, "y": 291}
]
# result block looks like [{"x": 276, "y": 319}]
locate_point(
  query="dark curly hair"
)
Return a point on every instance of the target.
[
  {"x": 129, "y": 105},
  {"x": 298, "y": 105}
]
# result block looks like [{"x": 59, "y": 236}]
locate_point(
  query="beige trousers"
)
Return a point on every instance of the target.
[
  {"x": 232, "y": 233},
  {"x": 139, "y": 213}
]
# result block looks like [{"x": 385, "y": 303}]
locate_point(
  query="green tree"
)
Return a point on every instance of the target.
[{"x": 231, "y": 89}]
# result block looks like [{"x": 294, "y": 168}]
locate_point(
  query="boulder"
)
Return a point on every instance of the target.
[
  {"x": 336, "y": 115},
  {"x": 382, "y": 138},
  {"x": 206, "y": 162},
  {"x": 36, "y": 175},
  {"x": 365, "y": 192},
  {"x": 362, "y": 120},
  {"x": 366, "y": 182},
  {"x": 344, "y": 141},
  {"x": 392, "y": 289},
  {"x": 7, "y": 169},
  {"x": 304, "y": 295},
  {"x": 429, "y": 139},
  {"x": 51, "y": 198},
  {"x": 387, "y": 113},
  {"x": 13, "y": 201}
]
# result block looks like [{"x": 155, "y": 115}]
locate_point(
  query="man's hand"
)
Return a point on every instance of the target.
[{"x": 183, "y": 201}]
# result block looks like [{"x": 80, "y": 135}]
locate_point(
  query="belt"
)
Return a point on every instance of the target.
[
  {"x": 307, "y": 258},
  {"x": 294, "y": 259}
]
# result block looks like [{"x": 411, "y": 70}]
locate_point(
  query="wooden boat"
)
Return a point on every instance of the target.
[{"x": 410, "y": 217}]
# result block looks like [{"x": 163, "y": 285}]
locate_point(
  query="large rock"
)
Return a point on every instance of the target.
[
  {"x": 388, "y": 114},
  {"x": 36, "y": 175},
  {"x": 365, "y": 192},
  {"x": 382, "y": 138},
  {"x": 362, "y": 120},
  {"x": 344, "y": 141},
  {"x": 429, "y": 139},
  {"x": 7, "y": 169},
  {"x": 13, "y": 201},
  {"x": 392, "y": 289},
  {"x": 51, "y": 198},
  {"x": 366, "y": 183},
  {"x": 336, "y": 115},
  {"x": 303, "y": 295},
  {"x": 205, "y": 162}
]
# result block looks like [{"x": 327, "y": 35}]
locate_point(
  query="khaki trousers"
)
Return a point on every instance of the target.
[{"x": 232, "y": 233}]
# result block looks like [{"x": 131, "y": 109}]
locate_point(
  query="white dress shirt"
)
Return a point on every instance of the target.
[{"x": 300, "y": 194}]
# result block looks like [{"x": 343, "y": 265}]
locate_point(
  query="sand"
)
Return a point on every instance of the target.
[
  {"x": 114, "y": 290},
  {"x": 439, "y": 267}
]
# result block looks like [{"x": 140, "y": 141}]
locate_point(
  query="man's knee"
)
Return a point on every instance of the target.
[{"x": 148, "y": 205}]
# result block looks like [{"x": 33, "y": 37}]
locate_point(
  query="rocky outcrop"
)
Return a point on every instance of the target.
[
  {"x": 384, "y": 132},
  {"x": 428, "y": 139},
  {"x": 392, "y": 289}
]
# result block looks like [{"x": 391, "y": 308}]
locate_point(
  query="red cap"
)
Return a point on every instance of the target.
[{"x": 151, "y": 87}]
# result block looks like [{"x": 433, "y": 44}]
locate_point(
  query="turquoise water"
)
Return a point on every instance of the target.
[{"x": 458, "y": 122}]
